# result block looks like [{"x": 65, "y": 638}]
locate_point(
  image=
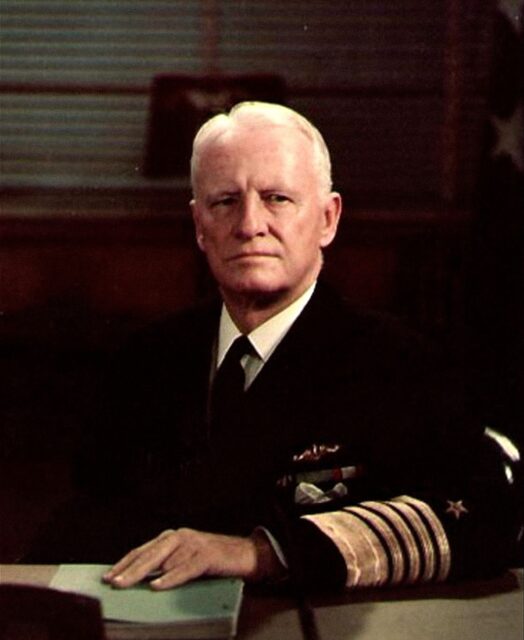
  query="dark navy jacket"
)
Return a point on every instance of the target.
[{"x": 339, "y": 378}]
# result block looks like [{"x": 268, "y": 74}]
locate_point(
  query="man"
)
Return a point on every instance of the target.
[
  {"x": 347, "y": 455},
  {"x": 263, "y": 210}
]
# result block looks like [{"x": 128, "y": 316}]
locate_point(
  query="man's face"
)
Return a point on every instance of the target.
[{"x": 259, "y": 213}]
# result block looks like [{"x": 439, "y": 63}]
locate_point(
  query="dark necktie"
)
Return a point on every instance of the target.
[{"x": 228, "y": 385}]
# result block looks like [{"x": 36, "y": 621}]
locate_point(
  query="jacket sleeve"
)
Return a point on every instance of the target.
[
  {"x": 467, "y": 528},
  {"x": 440, "y": 500}
]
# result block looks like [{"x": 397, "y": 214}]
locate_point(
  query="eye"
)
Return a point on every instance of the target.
[
  {"x": 225, "y": 201},
  {"x": 277, "y": 198}
]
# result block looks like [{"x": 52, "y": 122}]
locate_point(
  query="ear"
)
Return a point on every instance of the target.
[
  {"x": 198, "y": 225},
  {"x": 331, "y": 216}
]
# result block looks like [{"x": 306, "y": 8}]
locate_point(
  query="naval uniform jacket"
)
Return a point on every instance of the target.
[{"x": 426, "y": 497}]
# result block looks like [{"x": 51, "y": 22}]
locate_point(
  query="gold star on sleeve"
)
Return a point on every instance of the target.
[{"x": 456, "y": 508}]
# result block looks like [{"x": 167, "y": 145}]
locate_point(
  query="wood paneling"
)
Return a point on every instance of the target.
[{"x": 400, "y": 261}]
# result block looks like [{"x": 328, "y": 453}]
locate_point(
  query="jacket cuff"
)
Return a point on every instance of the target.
[{"x": 315, "y": 563}]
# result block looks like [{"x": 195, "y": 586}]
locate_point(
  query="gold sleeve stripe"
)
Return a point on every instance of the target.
[
  {"x": 389, "y": 539},
  {"x": 366, "y": 560},
  {"x": 410, "y": 547},
  {"x": 393, "y": 542},
  {"x": 436, "y": 530},
  {"x": 423, "y": 540}
]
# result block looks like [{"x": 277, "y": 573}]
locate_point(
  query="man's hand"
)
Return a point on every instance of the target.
[{"x": 185, "y": 554}]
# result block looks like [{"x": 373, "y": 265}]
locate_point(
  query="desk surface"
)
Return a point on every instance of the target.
[{"x": 468, "y": 611}]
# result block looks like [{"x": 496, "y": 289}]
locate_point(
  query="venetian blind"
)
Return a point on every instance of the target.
[{"x": 371, "y": 74}]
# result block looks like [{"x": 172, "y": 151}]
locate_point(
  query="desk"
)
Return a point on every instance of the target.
[{"x": 490, "y": 610}]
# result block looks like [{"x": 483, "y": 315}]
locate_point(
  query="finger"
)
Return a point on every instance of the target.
[
  {"x": 123, "y": 562},
  {"x": 178, "y": 556},
  {"x": 130, "y": 557},
  {"x": 184, "y": 572},
  {"x": 144, "y": 565},
  {"x": 139, "y": 563}
]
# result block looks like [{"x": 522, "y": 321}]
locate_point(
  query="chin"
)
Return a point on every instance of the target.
[
  {"x": 255, "y": 286},
  {"x": 258, "y": 289},
  {"x": 245, "y": 281}
]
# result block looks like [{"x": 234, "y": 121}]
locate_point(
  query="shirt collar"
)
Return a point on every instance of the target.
[{"x": 268, "y": 335}]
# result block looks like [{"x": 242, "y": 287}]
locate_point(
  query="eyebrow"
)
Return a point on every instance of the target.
[
  {"x": 236, "y": 193},
  {"x": 277, "y": 189},
  {"x": 211, "y": 197}
]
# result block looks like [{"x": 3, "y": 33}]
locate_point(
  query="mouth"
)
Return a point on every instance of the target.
[{"x": 251, "y": 255}]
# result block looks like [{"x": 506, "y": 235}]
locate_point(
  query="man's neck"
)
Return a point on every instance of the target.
[{"x": 249, "y": 312}]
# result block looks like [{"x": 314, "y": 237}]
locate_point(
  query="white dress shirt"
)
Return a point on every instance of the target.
[{"x": 264, "y": 338}]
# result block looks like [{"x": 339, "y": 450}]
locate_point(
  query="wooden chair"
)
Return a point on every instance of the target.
[
  {"x": 180, "y": 104},
  {"x": 39, "y": 613}
]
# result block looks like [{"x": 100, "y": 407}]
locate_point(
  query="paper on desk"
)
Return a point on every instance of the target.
[{"x": 202, "y": 600}]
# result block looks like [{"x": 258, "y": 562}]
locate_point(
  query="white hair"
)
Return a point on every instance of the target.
[{"x": 266, "y": 113}]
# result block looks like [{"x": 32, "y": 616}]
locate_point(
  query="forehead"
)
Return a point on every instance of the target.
[{"x": 255, "y": 151}]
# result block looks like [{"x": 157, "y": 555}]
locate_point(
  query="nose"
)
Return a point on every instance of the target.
[{"x": 251, "y": 219}]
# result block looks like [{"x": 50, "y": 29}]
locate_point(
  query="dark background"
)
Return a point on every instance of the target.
[{"x": 95, "y": 233}]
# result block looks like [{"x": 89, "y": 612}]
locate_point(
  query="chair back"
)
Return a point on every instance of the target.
[{"x": 40, "y": 613}]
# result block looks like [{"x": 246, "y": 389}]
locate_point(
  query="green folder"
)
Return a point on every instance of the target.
[{"x": 205, "y": 608}]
